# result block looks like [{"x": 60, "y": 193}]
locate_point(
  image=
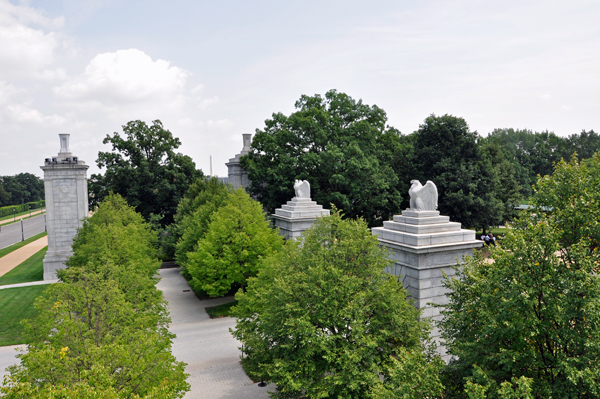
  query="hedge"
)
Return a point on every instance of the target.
[{"x": 9, "y": 210}]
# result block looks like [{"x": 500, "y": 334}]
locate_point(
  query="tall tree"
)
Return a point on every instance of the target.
[
  {"x": 4, "y": 195},
  {"x": 105, "y": 327},
  {"x": 118, "y": 243},
  {"x": 145, "y": 169},
  {"x": 231, "y": 249},
  {"x": 87, "y": 333},
  {"x": 584, "y": 143},
  {"x": 534, "y": 311},
  {"x": 447, "y": 152},
  {"x": 341, "y": 146},
  {"x": 531, "y": 153},
  {"x": 322, "y": 319},
  {"x": 20, "y": 188},
  {"x": 202, "y": 191}
]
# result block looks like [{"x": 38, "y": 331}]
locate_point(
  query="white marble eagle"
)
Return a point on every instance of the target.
[
  {"x": 423, "y": 198},
  {"x": 302, "y": 189}
]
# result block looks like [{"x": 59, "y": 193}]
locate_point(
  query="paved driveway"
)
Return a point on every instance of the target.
[
  {"x": 12, "y": 234},
  {"x": 206, "y": 345}
]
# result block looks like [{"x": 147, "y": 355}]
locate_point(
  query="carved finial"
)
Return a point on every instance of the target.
[{"x": 64, "y": 142}]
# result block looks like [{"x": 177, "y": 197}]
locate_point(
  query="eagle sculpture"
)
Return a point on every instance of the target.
[
  {"x": 423, "y": 198},
  {"x": 302, "y": 189}
]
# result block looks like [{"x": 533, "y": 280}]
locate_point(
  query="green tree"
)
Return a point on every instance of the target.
[
  {"x": 585, "y": 144},
  {"x": 203, "y": 198},
  {"x": 535, "y": 311},
  {"x": 340, "y": 145},
  {"x": 238, "y": 237},
  {"x": 322, "y": 319},
  {"x": 144, "y": 168},
  {"x": 4, "y": 195},
  {"x": 447, "y": 152},
  {"x": 533, "y": 153},
  {"x": 88, "y": 334},
  {"x": 117, "y": 242}
]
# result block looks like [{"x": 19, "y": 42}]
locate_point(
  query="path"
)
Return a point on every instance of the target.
[
  {"x": 206, "y": 344},
  {"x": 10, "y": 220},
  {"x": 11, "y": 233},
  {"x": 15, "y": 258}
]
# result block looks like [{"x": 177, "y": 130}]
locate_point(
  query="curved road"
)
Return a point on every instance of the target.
[{"x": 11, "y": 234}]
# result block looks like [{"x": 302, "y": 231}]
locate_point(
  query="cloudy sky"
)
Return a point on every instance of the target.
[{"x": 211, "y": 71}]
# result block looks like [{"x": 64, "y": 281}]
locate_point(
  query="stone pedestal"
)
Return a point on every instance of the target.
[
  {"x": 238, "y": 177},
  {"x": 65, "y": 183},
  {"x": 424, "y": 245},
  {"x": 296, "y": 216}
]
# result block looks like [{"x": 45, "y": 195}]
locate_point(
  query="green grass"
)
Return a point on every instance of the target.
[
  {"x": 19, "y": 214},
  {"x": 14, "y": 247},
  {"x": 31, "y": 269},
  {"x": 221, "y": 310},
  {"x": 16, "y": 304}
]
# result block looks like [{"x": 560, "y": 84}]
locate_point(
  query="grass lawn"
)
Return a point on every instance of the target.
[
  {"x": 16, "y": 304},
  {"x": 31, "y": 269},
  {"x": 9, "y": 249},
  {"x": 221, "y": 310}
]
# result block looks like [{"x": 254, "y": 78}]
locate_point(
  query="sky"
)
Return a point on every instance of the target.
[{"x": 211, "y": 71}]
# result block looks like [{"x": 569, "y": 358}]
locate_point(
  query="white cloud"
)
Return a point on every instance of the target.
[
  {"x": 24, "y": 49},
  {"x": 7, "y": 92},
  {"x": 124, "y": 77},
  {"x": 24, "y": 114}
]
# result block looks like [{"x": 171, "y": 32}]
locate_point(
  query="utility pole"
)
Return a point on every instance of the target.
[{"x": 22, "y": 231}]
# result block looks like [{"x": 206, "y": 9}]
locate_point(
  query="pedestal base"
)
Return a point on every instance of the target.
[
  {"x": 54, "y": 262},
  {"x": 296, "y": 216},
  {"x": 424, "y": 247}
]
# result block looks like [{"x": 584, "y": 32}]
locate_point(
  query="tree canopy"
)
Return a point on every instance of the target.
[
  {"x": 230, "y": 251},
  {"x": 470, "y": 188},
  {"x": 322, "y": 319},
  {"x": 340, "y": 145},
  {"x": 20, "y": 188},
  {"x": 534, "y": 311},
  {"x": 103, "y": 331},
  {"x": 201, "y": 200},
  {"x": 144, "y": 168}
]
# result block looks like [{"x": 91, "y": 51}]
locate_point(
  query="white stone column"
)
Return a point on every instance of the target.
[
  {"x": 65, "y": 183},
  {"x": 424, "y": 246},
  {"x": 238, "y": 177}
]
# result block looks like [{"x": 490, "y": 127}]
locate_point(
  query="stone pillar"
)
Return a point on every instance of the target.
[
  {"x": 296, "y": 216},
  {"x": 65, "y": 183},
  {"x": 238, "y": 177},
  {"x": 424, "y": 246}
]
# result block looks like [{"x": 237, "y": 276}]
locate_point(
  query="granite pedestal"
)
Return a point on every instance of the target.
[
  {"x": 424, "y": 245},
  {"x": 296, "y": 216},
  {"x": 66, "y": 192}
]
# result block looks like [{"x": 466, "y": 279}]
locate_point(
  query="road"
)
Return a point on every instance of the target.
[{"x": 10, "y": 234}]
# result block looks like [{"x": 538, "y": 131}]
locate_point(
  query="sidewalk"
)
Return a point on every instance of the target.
[
  {"x": 20, "y": 217},
  {"x": 206, "y": 344},
  {"x": 15, "y": 258}
]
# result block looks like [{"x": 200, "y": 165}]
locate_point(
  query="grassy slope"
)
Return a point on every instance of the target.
[
  {"x": 30, "y": 270},
  {"x": 16, "y": 304},
  {"x": 9, "y": 249}
]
